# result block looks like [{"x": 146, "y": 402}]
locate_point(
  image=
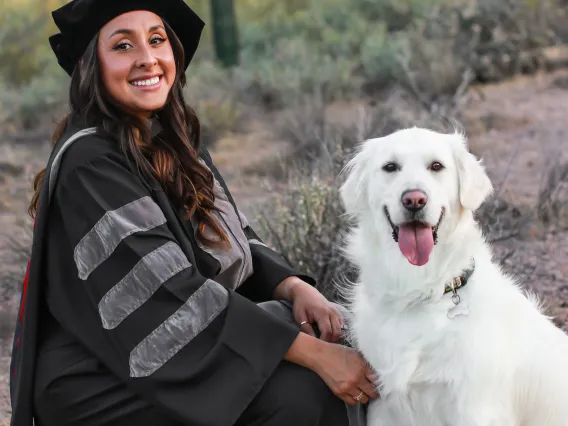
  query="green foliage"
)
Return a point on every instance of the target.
[
  {"x": 22, "y": 49},
  {"x": 294, "y": 48},
  {"x": 26, "y": 105},
  {"x": 380, "y": 53}
]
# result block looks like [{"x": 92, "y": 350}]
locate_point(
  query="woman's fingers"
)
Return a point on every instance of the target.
[
  {"x": 369, "y": 389},
  {"x": 325, "y": 328},
  {"x": 330, "y": 322},
  {"x": 359, "y": 396},
  {"x": 337, "y": 324},
  {"x": 306, "y": 327},
  {"x": 372, "y": 376}
]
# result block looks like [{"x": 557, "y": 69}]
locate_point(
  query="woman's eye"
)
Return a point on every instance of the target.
[
  {"x": 391, "y": 167},
  {"x": 122, "y": 46},
  {"x": 158, "y": 39},
  {"x": 436, "y": 166}
]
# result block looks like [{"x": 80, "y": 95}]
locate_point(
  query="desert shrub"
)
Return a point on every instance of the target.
[
  {"x": 21, "y": 46},
  {"x": 307, "y": 47},
  {"x": 25, "y": 26},
  {"x": 31, "y": 82},
  {"x": 553, "y": 197},
  {"x": 38, "y": 101},
  {"x": 495, "y": 37},
  {"x": 298, "y": 69},
  {"x": 502, "y": 220},
  {"x": 306, "y": 225},
  {"x": 315, "y": 133},
  {"x": 217, "y": 118},
  {"x": 291, "y": 49}
]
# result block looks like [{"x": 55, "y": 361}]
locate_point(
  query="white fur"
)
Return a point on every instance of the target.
[{"x": 497, "y": 360}]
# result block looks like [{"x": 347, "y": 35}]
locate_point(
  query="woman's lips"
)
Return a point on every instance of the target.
[{"x": 149, "y": 84}]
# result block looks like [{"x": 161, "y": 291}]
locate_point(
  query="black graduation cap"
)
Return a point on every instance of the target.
[{"x": 80, "y": 20}]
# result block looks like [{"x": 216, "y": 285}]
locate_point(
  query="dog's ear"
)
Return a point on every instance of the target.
[
  {"x": 474, "y": 184},
  {"x": 352, "y": 191}
]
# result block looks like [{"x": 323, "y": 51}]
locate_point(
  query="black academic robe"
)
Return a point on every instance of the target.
[{"x": 122, "y": 273}]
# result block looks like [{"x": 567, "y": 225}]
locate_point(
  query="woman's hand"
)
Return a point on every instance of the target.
[
  {"x": 347, "y": 374},
  {"x": 343, "y": 369},
  {"x": 310, "y": 306}
]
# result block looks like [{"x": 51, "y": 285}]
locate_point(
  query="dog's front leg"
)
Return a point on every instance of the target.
[{"x": 393, "y": 410}]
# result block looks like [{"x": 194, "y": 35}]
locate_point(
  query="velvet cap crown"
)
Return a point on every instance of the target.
[{"x": 80, "y": 20}]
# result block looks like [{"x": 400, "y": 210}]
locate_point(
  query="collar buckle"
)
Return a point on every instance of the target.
[{"x": 456, "y": 283}]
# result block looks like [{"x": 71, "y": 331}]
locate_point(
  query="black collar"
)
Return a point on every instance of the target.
[{"x": 458, "y": 282}]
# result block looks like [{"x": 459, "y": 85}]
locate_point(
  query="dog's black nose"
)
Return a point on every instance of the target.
[{"x": 414, "y": 200}]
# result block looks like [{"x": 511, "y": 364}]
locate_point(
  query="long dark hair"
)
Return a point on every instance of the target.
[{"x": 172, "y": 159}]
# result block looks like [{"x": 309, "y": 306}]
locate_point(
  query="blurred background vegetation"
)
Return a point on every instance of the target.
[{"x": 292, "y": 48}]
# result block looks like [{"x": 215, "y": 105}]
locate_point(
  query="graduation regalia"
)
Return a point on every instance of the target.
[{"x": 115, "y": 265}]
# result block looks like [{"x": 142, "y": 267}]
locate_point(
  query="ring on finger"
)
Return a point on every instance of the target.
[
  {"x": 358, "y": 397},
  {"x": 303, "y": 322}
]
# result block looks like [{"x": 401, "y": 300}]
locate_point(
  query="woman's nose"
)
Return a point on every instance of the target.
[{"x": 146, "y": 59}]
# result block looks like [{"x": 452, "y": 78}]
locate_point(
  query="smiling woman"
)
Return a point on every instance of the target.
[{"x": 149, "y": 299}]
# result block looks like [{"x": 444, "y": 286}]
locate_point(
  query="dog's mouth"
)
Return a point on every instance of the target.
[{"x": 415, "y": 238}]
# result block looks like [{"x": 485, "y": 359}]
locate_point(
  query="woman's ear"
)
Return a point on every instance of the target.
[{"x": 474, "y": 184}]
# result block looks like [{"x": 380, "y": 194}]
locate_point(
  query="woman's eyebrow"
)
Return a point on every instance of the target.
[{"x": 129, "y": 32}]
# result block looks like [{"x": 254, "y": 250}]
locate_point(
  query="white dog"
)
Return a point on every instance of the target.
[{"x": 454, "y": 341}]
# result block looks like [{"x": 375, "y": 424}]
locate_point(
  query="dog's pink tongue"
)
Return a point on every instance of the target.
[{"x": 416, "y": 242}]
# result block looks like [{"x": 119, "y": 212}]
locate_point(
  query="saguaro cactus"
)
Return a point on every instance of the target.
[{"x": 225, "y": 32}]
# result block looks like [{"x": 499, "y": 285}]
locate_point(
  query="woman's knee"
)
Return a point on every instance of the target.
[{"x": 295, "y": 396}]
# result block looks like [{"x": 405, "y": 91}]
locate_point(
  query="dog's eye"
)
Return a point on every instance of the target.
[
  {"x": 436, "y": 166},
  {"x": 391, "y": 167}
]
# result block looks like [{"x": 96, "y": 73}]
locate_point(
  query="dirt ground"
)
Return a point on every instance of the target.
[
  {"x": 522, "y": 135},
  {"x": 518, "y": 127}
]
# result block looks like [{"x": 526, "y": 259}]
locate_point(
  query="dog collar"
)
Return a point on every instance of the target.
[{"x": 457, "y": 283}]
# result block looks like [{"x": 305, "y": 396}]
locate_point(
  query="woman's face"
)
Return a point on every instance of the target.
[{"x": 137, "y": 62}]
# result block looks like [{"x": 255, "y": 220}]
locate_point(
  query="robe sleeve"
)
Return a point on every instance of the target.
[
  {"x": 130, "y": 294},
  {"x": 270, "y": 269}
]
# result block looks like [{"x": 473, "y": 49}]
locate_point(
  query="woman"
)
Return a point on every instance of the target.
[{"x": 144, "y": 303}]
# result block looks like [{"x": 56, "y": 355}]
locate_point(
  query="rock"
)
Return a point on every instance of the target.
[
  {"x": 10, "y": 169},
  {"x": 555, "y": 57}
]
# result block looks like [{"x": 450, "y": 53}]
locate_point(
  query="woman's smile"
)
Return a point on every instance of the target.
[{"x": 147, "y": 84}]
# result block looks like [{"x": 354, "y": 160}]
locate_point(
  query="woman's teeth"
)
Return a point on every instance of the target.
[{"x": 148, "y": 82}]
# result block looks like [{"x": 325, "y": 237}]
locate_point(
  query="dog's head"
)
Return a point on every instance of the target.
[{"x": 414, "y": 186}]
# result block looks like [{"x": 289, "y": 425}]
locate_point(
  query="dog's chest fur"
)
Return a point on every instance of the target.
[
  {"x": 423, "y": 359},
  {"x": 403, "y": 343}
]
